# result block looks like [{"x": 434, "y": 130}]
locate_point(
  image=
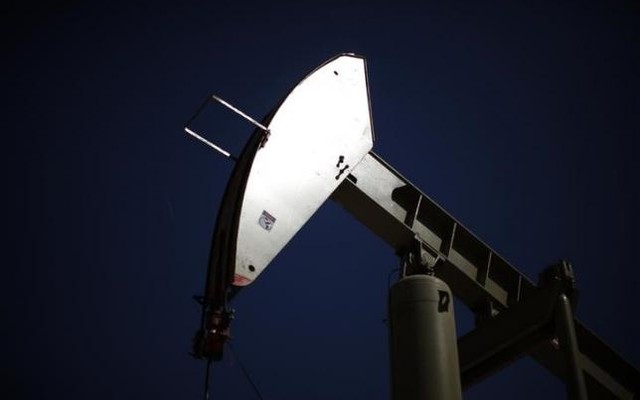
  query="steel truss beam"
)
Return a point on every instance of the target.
[{"x": 514, "y": 316}]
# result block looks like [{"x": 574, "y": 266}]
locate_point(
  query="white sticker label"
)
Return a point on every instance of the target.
[{"x": 267, "y": 220}]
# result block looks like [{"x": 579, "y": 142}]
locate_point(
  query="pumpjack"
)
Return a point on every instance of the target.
[{"x": 317, "y": 145}]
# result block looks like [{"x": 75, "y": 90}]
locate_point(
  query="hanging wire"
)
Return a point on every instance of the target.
[
  {"x": 206, "y": 380},
  {"x": 246, "y": 374}
]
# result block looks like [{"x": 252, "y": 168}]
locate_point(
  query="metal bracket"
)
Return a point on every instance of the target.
[
  {"x": 209, "y": 340},
  {"x": 561, "y": 274},
  {"x": 418, "y": 259},
  {"x": 236, "y": 110}
]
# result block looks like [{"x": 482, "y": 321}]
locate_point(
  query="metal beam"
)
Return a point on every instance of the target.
[{"x": 398, "y": 212}]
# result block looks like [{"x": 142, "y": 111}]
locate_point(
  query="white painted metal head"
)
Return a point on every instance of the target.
[{"x": 319, "y": 133}]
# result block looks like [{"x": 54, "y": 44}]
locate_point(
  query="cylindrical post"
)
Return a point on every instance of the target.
[
  {"x": 423, "y": 343},
  {"x": 576, "y": 389}
]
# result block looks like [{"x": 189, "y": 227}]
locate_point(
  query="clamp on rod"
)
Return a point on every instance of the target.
[{"x": 209, "y": 340}]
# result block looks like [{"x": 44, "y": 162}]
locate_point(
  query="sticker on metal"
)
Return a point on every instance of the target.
[{"x": 266, "y": 220}]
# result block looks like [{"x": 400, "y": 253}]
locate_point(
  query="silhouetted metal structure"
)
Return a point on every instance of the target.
[{"x": 279, "y": 182}]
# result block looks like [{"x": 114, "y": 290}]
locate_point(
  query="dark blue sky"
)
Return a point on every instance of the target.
[{"x": 520, "y": 120}]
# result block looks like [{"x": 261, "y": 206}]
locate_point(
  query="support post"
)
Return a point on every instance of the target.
[
  {"x": 576, "y": 389},
  {"x": 423, "y": 343}
]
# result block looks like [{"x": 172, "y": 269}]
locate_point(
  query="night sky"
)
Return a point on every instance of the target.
[{"x": 521, "y": 120}]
